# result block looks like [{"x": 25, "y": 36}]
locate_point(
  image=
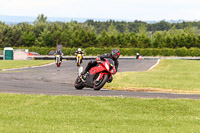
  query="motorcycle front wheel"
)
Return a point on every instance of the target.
[
  {"x": 58, "y": 64},
  {"x": 99, "y": 84}
]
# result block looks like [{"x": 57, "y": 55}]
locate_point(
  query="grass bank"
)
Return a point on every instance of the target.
[
  {"x": 180, "y": 76},
  {"x": 61, "y": 114},
  {"x": 7, "y": 64}
]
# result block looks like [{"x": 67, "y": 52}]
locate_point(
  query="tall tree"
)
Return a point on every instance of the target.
[
  {"x": 41, "y": 19},
  {"x": 112, "y": 30},
  {"x": 29, "y": 38}
]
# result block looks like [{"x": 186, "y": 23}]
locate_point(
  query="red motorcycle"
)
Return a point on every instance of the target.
[
  {"x": 97, "y": 76},
  {"x": 58, "y": 61}
]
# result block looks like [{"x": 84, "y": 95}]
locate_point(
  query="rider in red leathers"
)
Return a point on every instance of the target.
[{"x": 114, "y": 55}]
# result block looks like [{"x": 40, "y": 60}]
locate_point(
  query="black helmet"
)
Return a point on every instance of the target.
[{"x": 115, "y": 53}]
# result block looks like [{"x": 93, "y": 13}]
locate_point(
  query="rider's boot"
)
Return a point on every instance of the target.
[
  {"x": 88, "y": 67},
  {"x": 83, "y": 74}
]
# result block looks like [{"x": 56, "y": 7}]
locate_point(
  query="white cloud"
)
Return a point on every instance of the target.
[{"x": 113, "y": 9}]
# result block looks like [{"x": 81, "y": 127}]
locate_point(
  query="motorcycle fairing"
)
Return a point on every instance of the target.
[
  {"x": 58, "y": 58},
  {"x": 101, "y": 75},
  {"x": 78, "y": 59},
  {"x": 99, "y": 68}
]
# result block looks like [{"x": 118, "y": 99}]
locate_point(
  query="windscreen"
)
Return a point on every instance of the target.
[{"x": 112, "y": 63}]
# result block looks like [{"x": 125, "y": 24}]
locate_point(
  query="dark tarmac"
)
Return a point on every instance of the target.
[{"x": 51, "y": 80}]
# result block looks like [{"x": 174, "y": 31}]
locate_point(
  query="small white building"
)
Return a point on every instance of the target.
[{"x": 20, "y": 55}]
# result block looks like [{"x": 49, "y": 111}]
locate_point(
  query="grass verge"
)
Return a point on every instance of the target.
[
  {"x": 179, "y": 76},
  {"x": 8, "y": 64},
  {"x": 42, "y": 113}
]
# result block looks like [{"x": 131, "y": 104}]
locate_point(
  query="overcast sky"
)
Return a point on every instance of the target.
[{"x": 145, "y": 10}]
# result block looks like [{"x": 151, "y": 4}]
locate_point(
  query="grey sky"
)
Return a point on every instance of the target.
[{"x": 109, "y": 9}]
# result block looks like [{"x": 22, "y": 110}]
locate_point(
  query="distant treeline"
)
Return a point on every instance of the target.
[
  {"x": 123, "y": 26},
  {"x": 91, "y": 33}
]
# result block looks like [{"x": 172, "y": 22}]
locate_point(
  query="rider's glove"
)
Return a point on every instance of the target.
[{"x": 98, "y": 60}]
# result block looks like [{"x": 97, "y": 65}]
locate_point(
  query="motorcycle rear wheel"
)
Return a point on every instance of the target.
[
  {"x": 78, "y": 84},
  {"x": 98, "y": 85}
]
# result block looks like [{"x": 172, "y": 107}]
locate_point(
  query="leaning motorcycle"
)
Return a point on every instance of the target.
[
  {"x": 79, "y": 58},
  {"x": 58, "y": 61},
  {"x": 97, "y": 76}
]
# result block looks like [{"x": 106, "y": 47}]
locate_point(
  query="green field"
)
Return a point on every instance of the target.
[
  {"x": 182, "y": 76},
  {"x": 60, "y": 114},
  {"x": 21, "y": 113},
  {"x": 7, "y": 64}
]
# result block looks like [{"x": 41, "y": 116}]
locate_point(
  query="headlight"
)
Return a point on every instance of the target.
[
  {"x": 112, "y": 71},
  {"x": 107, "y": 66}
]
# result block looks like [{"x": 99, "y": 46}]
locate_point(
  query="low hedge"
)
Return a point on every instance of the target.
[{"x": 124, "y": 51}]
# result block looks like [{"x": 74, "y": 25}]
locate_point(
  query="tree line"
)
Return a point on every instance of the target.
[
  {"x": 123, "y": 26},
  {"x": 91, "y": 33}
]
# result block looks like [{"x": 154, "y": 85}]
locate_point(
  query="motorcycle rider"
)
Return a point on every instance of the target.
[
  {"x": 79, "y": 51},
  {"x": 59, "y": 52},
  {"x": 137, "y": 55},
  {"x": 114, "y": 55}
]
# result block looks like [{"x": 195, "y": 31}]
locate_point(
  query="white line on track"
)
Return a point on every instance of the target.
[
  {"x": 27, "y": 67},
  {"x": 154, "y": 65}
]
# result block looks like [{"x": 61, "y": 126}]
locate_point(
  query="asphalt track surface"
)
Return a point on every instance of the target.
[{"x": 52, "y": 80}]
